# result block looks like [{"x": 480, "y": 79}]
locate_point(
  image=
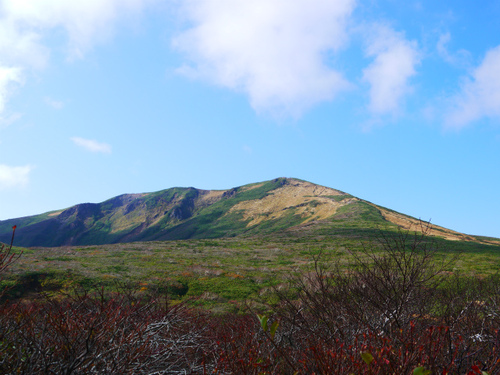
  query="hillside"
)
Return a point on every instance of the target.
[{"x": 283, "y": 204}]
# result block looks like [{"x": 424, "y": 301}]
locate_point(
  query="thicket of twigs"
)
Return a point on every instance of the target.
[{"x": 395, "y": 312}]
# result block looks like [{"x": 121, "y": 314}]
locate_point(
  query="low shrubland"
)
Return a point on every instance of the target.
[{"x": 396, "y": 308}]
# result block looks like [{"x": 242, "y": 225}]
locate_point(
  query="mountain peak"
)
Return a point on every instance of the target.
[{"x": 281, "y": 205}]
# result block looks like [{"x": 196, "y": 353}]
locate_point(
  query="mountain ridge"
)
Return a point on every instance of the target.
[{"x": 274, "y": 206}]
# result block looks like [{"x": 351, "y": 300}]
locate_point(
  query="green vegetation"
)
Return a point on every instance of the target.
[
  {"x": 176, "y": 213},
  {"x": 401, "y": 303},
  {"x": 222, "y": 248},
  {"x": 217, "y": 271},
  {"x": 260, "y": 209}
]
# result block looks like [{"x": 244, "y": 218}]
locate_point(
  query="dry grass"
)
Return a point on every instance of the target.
[
  {"x": 409, "y": 223},
  {"x": 308, "y": 200}
]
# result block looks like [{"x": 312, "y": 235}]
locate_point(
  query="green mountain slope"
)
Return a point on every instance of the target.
[{"x": 283, "y": 204}]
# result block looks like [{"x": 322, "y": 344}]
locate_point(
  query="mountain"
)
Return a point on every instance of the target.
[{"x": 282, "y": 205}]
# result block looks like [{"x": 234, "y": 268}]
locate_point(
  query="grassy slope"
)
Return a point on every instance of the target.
[
  {"x": 6, "y": 225},
  {"x": 168, "y": 214},
  {"x": 215, "y": 222},
  {"x": 183, "y": 213},
  {"x": 217, "y": 271}
]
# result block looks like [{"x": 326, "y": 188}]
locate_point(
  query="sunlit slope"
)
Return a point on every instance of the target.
[{"x": 283, "y": 205}]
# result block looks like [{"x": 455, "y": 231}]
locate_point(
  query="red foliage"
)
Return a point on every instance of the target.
[
  {"x": 392, "y": 316},
  {"x": 123, "y": 335},
  {"x": 244, "y": 350},
  {"x": 93, "y": 334}
]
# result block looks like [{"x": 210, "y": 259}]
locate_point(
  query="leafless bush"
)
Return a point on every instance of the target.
[
  {"x": 389, "y": 284},
  {"x": 394, "y": 287},
  {"x": 96, "y": 334},
  {"x": 392, "y": 311},
  {"x": 7, "y": 256}
]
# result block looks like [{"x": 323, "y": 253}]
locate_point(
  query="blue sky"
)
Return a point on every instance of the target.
[{"x": 394, "y": 102}]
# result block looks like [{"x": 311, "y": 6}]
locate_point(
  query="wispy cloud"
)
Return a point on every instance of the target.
[
  {"x": 23, "y": 25},
  {"x": 92, "y": 145},
  {"x": 273, "y": 51},
  {"x": 442, "y": 49},
  {"x": 460, "y": 57},
  {"x": 56, "y": 104},
  {"x": 395, "y": 59},
  {"x": 247, "y": 149},
  {"x": 8, "y": 120},
  {"x": 14, "y": 177},
  {"x": 9, "y": 76},
  {"x": 480, "y": 93},
  {"x": 85, "y": 22}
]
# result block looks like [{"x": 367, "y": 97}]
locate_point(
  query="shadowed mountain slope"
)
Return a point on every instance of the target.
[{"x": 277, "y": 206}]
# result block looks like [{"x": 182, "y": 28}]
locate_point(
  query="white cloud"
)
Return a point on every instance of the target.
[
  {"x": 25, "y": 23},
  {"x": 460, "y": 57},
  {"x": 85, "y": 22},
  {"x": 394, "y": 64},
  {"x": 274, "y": 51},
  {"x": 441, "y": 47},
  {"x": 92, "y": 145},
  {"x": 9, "y": 76},
  {"x": 12, "y": 177},
  {"x": 56, "y": 104},
  {"x": 480, "y": 94},
  {"x": 6, "y": 121}
]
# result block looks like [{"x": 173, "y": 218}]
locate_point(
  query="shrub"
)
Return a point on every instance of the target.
[
  {"x": 394, "y": 312},
  {"x": 7, "y": 257},
  {"x": 95, "y": 334}
]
